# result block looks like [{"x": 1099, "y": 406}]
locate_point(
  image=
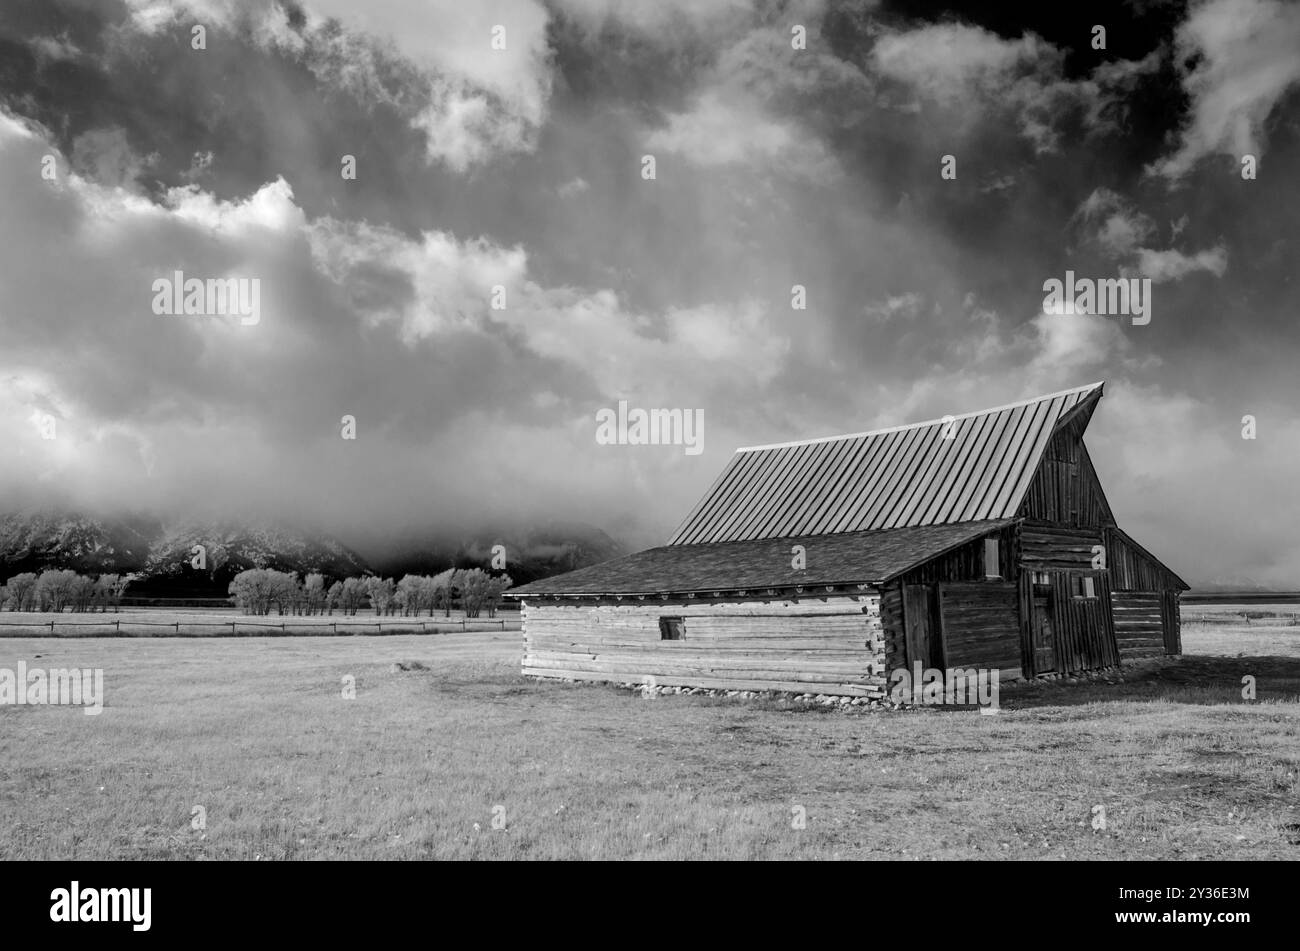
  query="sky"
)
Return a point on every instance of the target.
[{"x": 920, "y": 170}]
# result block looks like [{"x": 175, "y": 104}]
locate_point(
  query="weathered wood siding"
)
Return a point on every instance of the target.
[
  {"x": 1171, "y": 617},
  {"x": 1131, "y": 569},
  {"x": 1065, "y": 489},
  {"x": 1055, "y": 548},
  {"x": 831, "y": 645},
  {"x": 1139, "y": 623},
  {"x": 1084, "y": 627},
  {"x": 981, "y": 625},
  {"x": 966, "y": 563},
  {"x": 892, "y": 624}
]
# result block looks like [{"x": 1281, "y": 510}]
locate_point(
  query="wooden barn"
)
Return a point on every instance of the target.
[{"x": 977, "y": 541}]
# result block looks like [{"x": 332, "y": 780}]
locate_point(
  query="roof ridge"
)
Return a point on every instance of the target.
[{"x": 928, "y": 422}]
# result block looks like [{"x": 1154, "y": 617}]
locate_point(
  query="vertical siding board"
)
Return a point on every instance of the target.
[{"x": 1026, "y": 596}]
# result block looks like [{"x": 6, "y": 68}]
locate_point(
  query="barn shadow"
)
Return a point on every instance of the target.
[{"x": 1195, "y": 679}]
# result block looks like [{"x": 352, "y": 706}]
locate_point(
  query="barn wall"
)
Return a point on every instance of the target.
[
  {"x": 1131, "y": 569},
  {"x": 1139, "y": 623},
  {"x": 1084, "y": 627},
  {"x": 1056, "y": 548},
  {"x": 891, "y": 619},
  {"x": 831, "y": 645},
  {"x": 1065, "y": 490},
  {"x": 1171, "y": 616},
  {"x": 966, "y": 563},
  {"x": 981, "y": 625}
]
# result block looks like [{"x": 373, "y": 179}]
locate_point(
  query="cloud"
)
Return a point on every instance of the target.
[
  {"x": 476, "y": 103},
  {"x": 968, "y": 73},
  {"x": 203, "y": 413},
  {"x": 1170, "y": 265},
  {"x": 573, "y": 187},
  {"x": 1238, "y": 61},
  {"x": 718, "y": 131},
  {"x": 1120, "y": 230}
]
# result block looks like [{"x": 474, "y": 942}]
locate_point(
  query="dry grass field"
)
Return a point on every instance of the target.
[{"x": 444, "y": 736}]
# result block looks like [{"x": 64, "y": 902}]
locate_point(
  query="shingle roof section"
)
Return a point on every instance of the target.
[
  {"x": 850, "y": 558},
  {"x": 965, "y": 468}
]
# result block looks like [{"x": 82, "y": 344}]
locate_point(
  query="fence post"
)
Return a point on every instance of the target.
[
  {"x": 334, "y": 626},
  {"x": 51, "y": 628},
  {"x": 117, "y": 627},
  {"x": 232, "y": 628},
  {"x": 178, "y": 627},
  {"x": 462, "y": 625}
]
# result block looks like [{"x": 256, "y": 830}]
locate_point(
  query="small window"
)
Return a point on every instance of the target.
[
  {"x": 992, "y": 564},
  {"x": 1084, "y": 587},
  {"x": 1042, "y": 577},
  {"x": 672, "y": 628}
]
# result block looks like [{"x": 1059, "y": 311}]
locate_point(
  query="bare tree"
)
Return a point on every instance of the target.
[
  {"x": 22, "y": 592},
  {"x": 314, "y": 592},
  {"x": 54, "y": 589}
]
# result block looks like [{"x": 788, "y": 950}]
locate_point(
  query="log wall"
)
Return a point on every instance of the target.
[
  {"x": 891, "y": 619},
  {"x": 1055, "y": 548},
  {"x": 1139, "y": 623},
  {"x": 828, "y": 645}
]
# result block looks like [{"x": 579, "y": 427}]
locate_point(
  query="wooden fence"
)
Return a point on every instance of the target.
[{"x": 283, "y": 627}]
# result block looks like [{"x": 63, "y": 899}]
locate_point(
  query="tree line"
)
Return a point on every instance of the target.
[
  {"x": 258, "y": 590},
  {"x": 57, "y": 589}
]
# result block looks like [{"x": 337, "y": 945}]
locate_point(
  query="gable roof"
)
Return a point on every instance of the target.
[
  {"x": 972, "y": 467},
  {"x": 849, "y": 558}
]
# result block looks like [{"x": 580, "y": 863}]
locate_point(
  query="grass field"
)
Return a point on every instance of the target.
[{"x": 443, "y": 736}]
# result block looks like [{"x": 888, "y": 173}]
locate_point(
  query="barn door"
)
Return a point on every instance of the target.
[
  {"x": 1043, "y": 634},
  {"x": 919, "y": 621}
]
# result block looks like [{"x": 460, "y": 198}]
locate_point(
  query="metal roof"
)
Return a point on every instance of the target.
[
  {"x": 752, "y": 566},
  {"x": 972, "y": 467}
]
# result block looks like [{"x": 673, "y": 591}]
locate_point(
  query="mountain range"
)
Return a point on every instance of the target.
[{"x": 161, "y": 551}]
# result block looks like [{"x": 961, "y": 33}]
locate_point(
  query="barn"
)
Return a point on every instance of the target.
[{"x": 976, "y": 541}]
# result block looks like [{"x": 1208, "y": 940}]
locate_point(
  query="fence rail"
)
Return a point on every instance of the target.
[{"x": 286, "y": 627}]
